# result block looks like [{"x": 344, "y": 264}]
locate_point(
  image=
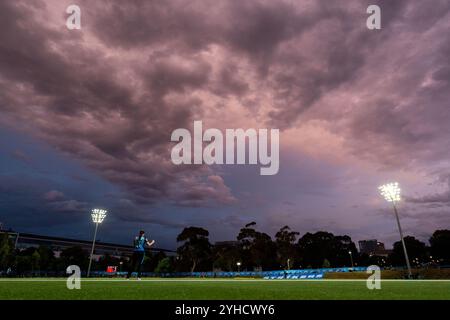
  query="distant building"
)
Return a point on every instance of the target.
[
  {"x": 372, "y": 247},
  {"x": 367, "y": 246},
  {"x": 26, "y": 240}
]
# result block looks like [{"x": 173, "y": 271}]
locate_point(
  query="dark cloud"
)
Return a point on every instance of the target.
[
  {"x": 79, "y": 103},
  {"x": 436, "y": 200},
  {"x": 165, "y": 75},
  {"x": 140, "y": 23}
]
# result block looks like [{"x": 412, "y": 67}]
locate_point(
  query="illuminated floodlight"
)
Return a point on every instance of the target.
[
  {"x": 98, "y": 215},
  {"x": 390, "y": 191}
]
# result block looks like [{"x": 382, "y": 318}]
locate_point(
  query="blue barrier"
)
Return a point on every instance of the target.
[
  {"x": 296, "y": 277},
  {"x": 273, "y": 274}
]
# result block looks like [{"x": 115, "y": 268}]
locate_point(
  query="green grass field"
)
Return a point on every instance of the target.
[{"x": 184, "y": 289}]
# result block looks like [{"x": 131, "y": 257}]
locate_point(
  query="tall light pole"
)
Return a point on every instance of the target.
[
  {"x": 239, "y": 266},
  {"x": 391, "y": 192},
  {"x": 351, "y": 258},
  {"x": 98, "y": 215}
]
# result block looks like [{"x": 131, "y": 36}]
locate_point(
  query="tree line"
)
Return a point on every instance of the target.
[
  {"x": 252, "y": 250},
  {"x": 256, "y": 250}
]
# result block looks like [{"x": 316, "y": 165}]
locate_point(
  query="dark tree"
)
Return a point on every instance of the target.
[
  {"x": 343, "y": 245},
  {"x": 165, "y": 265},
  {"x": 73, "y": 256},
  {"x": 257, "y": 247},
  {"x": 24, "y": 263},
  {"x": 226, "y": 257},
  {"x": 440, "y": 246},
  {"x": 196, "y": 249},
  {"x": 6, "y": 252},
  {"x": 315, "y": 248},
  {"x": 46, "y": 258},
  {"x": 287, "y": 252},
  {"x": 35, "y": 261},
  {"x": 153, "y": 260},
  {"x": 417, "y": 251}
]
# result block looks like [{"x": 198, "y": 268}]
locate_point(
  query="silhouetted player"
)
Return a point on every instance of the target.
[{"x": 139, "y": 253}]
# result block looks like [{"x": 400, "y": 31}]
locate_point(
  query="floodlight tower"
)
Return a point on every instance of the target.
[
  {"x": 391, "y": 192},
  {"x": 98, "y": 215}
]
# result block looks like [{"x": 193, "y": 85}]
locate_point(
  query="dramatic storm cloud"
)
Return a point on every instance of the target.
[{"x": 356, "y": 107}]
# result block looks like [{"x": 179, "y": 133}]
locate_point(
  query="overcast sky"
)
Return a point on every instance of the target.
[{"x": 86, "y": 116}]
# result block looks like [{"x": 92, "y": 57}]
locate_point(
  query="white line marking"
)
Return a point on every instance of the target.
[{"x": 223, "y": 280}]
